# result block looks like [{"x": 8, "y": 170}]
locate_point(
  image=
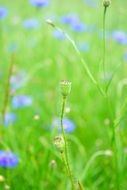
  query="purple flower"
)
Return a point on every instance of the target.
[
  {"x": 21, "y": 101},
  {"x": 31, "y": 24},
  {"x": 3, "y": 12},
  {"x": 8, "y": 159},
  {"x": 9, "y": 118},
  {"x": 58, "y": 34},
  {"x": 120, "y": 37},
  {"x": 70, "y": 19},
  {"x": 69, "y": 125},
  {"x": 39, "y": 3}
]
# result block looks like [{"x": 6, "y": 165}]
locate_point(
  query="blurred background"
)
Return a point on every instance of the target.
[{"x": 34, "y": 58}]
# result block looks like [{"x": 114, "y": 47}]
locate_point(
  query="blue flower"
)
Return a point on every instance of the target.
[
  {"x": 125, "y": 56},
  {"x": 8, "y": 159},
  {"x": 78, "y": 27},
  {"x": 91, "y": 3},
  {"x": 69, "y": 125},
  {"x": 21, "y": 101},
  {"x": 39, "y": 3},
  {"x": 58, "y": 34},
  {"x": 84, "y": 47},
  {"x": 12, "y": 47},
  {"x": 9, "y": 118},
  {"x": 3, "y": 12},
  {"x": 70, "y": 19},
  {"x": 18, "y": 80},
  {"x": 120, "y": 37},
  {"x": 31, "y": 24}
]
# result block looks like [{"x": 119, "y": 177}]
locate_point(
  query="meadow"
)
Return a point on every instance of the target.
[{"x": 68, "y": 135}]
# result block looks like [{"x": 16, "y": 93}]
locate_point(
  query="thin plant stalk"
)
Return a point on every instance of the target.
[
  {"x": 104, "y": 41},
  {"x": 114, "y": 129},
  {"x": 65, "y": 141}
]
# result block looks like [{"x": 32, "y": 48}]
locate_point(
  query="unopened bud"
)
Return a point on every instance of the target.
[
  {"x": 106, "y": 3},
  {"x": 65, "y": 87},
  {"x": 59, "y": 143}
]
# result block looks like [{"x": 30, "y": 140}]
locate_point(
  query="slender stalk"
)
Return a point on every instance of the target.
[
  {"x": 104, "y": 41},
  {"x": 65, "y": 141}
]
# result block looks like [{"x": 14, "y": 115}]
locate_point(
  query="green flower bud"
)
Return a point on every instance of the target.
[
  {"x": 65, "y": 87},
  {"x": 106, "y": 3},
  {"x": 59, "y": 143}
]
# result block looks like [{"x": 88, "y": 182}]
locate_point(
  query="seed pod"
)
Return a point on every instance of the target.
[
  {"x": 106, "y": 3},
  {"x": 59, "y": 143},
  {"x": 65, "y": 87}
]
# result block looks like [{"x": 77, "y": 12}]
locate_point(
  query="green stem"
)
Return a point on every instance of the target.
[
  {"x": 104, "y": 40},
  {"x": 64, "y": 136}
]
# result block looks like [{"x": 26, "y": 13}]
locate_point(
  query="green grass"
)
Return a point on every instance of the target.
[{"x": 46, "y": 64}]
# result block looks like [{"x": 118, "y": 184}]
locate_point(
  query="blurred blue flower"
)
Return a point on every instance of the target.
[
  {"x": 69, "y": 125},
  {"x": 84, "y": 47},
  {"x": 91, "y": 3},
  {"x": 59, "y": 35},
  {"x": 39, "y": 3},
  {"x": 70, "y": 19},
  {"x": 125, "y": 56},
  {"x": 21, "y": 101},
  {"x": 120, "y": 37},
  {"x": 18, "y": 80},
  {"x": 8, "y": 159},
  {"x": 30, "y": 23},
  {"x": 9, "y": 118},
  {"x": 3, "y": 12},
  {"x": 12, "y": 47},
  {"x": 78, "y": 27}
]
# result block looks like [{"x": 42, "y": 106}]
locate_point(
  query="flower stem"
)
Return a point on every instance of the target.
[{"x": 65, "y": 141}]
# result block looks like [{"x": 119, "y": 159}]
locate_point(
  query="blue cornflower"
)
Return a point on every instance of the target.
[
  {"x": 69, "y": 126},
  {"x": 21, "y": 101},
  {"x": 120, "y": 37},
  {"x": 9, "y": 118},
  {"x": 84, "y": 47},
  {"x": 39, "y": 3},
  {"x": 3, "y": 12},
  {"x": 18, "y": 80},
  {"x": 8, "y": 159},
  {"x": 59, "y": 35},
  {"x": 31, "y": 23},
  {"x": 70, "y": 19},
  {"x": 78, "y": 27}
]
